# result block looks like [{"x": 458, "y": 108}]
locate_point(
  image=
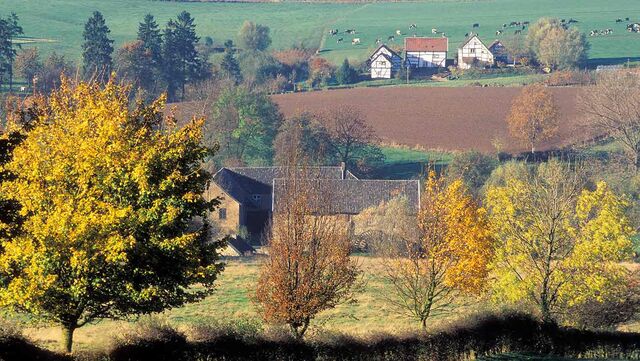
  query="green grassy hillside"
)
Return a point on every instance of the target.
[{"x": 58, "y": 24}]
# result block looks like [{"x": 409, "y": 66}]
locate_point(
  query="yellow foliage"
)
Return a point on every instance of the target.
[
  {"x": 558, "y": 244},
  {"x": 107, "y": 196}
]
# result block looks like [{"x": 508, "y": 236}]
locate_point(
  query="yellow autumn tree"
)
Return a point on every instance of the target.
[
  {"x": 558, "y": 244},
  {"x": 112, "y": 211},
  {"x": 448, "y": 256}
]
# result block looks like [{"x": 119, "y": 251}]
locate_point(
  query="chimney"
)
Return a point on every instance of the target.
[{"x": 343, "y": 168}]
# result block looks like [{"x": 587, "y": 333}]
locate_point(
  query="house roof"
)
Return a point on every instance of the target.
[
  {"x": 240, "y": 245},
  {"x": 426, "y": 44},
  {"x": 393, "y": 53},
  {"x": 242, "y": 182},
  {"x": 471, "y": 38},
  {"x": 494, "y": 43},
  {"x": 352, "y": 196},
  {"x": 387, "y": 57}
]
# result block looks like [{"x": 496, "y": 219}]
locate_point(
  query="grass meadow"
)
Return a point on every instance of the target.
[
  {"x": 371, "y": 313},
  {"x": 58, "y": 24}
]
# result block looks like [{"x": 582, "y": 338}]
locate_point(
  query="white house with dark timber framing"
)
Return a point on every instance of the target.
[
  {"x": 384, "y": 62},
  {"x": 473, "y": 52},
  {"x": 422, "y": 52}
]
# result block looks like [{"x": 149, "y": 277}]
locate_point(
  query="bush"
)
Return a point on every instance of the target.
[
  {"x": 474, "y": 168},
  {"x": 15, "y": 347},
  {"x": 150, "y": 339},
  {"x": 568, "y": 77},
  {"x": 482, "y": 335}
]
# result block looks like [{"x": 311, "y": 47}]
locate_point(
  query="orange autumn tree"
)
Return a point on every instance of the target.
[
  {"x": 309, "y": 269},
  {"x": 534, "y": 116},
  {"x": 447, "y": 258}
]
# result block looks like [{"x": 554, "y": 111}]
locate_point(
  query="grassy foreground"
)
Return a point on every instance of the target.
[
  {"x": 58, "y": 24},
  {"x": 232, "y": 303}
]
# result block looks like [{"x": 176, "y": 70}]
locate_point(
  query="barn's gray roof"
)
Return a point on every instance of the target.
[
  {"x": 351, "y": 196},
  {"x": 241, "y": 182}
]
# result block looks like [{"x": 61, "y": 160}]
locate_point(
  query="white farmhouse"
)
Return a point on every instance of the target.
[
  {"x": 384, "y": 63},
  {"x": 426, "y": 52},
  {"x": 473, "y": 52}
]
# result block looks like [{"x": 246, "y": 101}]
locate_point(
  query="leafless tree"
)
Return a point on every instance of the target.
[
  {"x": 309, "y": 268},
  {"x": 612, "y": 108}
]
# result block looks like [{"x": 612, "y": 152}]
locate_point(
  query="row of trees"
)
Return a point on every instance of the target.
[
  {"x": 546, "y": 240},
  {"x": 250, "y": 129}
]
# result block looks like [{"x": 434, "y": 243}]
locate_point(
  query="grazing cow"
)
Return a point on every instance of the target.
[
  {"x": 350, "y": 31},
  {"x": 513, "y": 23},
  {"x": 333, "y": 32},
  {"x": 434, "y": 31},
  {"x": 23, "y": 88},
  {"x": 499, "y": 32},
  {"x": 339, "y": 40},
  {"x": 635, "y": 27},
  {"x": 391, "y": 38},
  {"x": 618, "y": 20},
  {"x": 562, "y": 20},
  {"x": 593, "y": 33},
  {"x": 517, "y": 32},
  {"x": 525, "y": 23},
  {"x": 413, "y": 26},
  {"x": 476, "y": 25},
  {"x": 626, "y": 19},
  {"x": 398, "y": 32},
  {"x": 572, "y": 21},
  {"x": 355, "y": 41}
]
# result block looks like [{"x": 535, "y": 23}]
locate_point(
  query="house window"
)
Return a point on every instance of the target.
[
  {"x": 472, "y": 50},
  {"x": 222, "y": 213},
  {"x": 256, "y": 197}
]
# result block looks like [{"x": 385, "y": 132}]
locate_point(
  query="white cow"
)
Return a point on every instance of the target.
[{"x": 355, "y": 41}]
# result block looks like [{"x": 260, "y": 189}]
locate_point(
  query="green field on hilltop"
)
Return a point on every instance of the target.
[{"x": 58, "y": 24}]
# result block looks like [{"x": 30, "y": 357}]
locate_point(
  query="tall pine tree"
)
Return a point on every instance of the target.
[
  {"x": 151, "y": 37},
  {"x": 182, "y": 63},
  {"x": 9, "y": 29},
  {"x": 229, "y": 65},
  {"x": 97, "y": 48}
]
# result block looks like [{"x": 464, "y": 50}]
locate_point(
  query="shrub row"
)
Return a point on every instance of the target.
[{"x": 483, "y": 335}]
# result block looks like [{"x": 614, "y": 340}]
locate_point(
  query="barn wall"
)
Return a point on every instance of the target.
[{"x": 231, "y": 224}]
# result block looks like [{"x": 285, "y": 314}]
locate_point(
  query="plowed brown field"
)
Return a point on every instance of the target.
[{"x": 438, "y": 118}]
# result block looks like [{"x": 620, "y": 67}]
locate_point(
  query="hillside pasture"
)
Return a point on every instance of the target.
[
  {"x": 446, "y": 119},
  {"x": 60, "y": 22}
]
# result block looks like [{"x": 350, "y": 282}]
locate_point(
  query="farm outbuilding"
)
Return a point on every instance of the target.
[
  {"x": 384, "y": 63},
  {"x": 422, "y": 52},
  {"x": 473, "y": 53},
  {"x": 500, "y": 52}
]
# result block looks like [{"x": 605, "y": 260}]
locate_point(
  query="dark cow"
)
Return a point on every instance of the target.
[{"x": 476, "y": 25}]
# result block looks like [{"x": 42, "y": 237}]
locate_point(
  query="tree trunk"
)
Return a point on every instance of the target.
[{"x": 67, "y": 337}]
